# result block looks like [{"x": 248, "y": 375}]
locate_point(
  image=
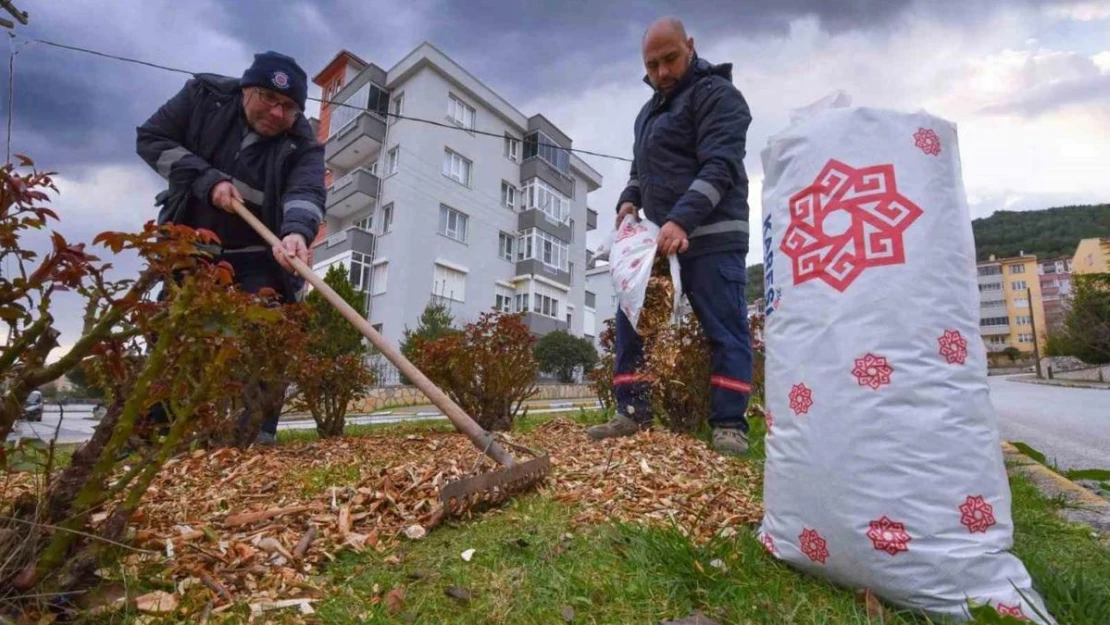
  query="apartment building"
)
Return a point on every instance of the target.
[
  {"x": 1055, "y": 291},
  {"x": 417, "y": 210},
  {"x": 1010, "y": 302},
  {"x": 1092, "y": 256}
]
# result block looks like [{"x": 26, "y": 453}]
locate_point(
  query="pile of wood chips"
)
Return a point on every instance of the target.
[{"x": 245, "y": 525}]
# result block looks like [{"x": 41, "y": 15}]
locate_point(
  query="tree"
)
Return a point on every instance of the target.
[
  {"x": 1087, "y": 325},
  {"x": 436, "y": 322},
  {"x": 560, "y": 353},
  {"x": 332, "y": 335},
  {"x": 332, "y": 371},
  {"x": 754, "y": 289},
  {"x": 1012, "y": 353},
  {"x": 488, "y": 369}
]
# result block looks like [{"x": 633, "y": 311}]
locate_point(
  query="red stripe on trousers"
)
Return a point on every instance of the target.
[{"x": 730, "y": 384}]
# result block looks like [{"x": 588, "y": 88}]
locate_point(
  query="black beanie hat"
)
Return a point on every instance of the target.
[{"x": 279, "y": 73}]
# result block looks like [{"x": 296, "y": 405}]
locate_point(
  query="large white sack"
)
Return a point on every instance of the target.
[{"x": 884, "y": 468}]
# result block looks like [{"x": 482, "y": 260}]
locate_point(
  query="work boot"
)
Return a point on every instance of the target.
[
  {"x": 619, "y": 425},
  {"x": 730, "y": 441},
  {"x": 265, "y": 439}
]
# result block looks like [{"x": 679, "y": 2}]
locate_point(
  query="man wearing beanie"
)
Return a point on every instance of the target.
[{"x": 245, "y": 138}]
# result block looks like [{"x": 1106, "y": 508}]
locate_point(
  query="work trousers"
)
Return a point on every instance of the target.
[{"x": 714, "y": 285}]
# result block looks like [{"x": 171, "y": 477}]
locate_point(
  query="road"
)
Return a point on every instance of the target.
[
  {"x": 1071, "y": 426},
  {"x": 78, "y": 424}
]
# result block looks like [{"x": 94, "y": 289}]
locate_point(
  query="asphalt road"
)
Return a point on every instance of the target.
[{"x": 1070, "y": 426}]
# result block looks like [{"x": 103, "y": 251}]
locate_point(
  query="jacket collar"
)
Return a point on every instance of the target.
[{"x": 699, "y": 68}]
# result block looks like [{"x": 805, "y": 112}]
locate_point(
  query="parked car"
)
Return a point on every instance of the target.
[{"x": 32, "y": 410}]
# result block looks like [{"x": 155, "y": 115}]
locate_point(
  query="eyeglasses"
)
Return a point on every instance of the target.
[{"x": 271, "y": 99}]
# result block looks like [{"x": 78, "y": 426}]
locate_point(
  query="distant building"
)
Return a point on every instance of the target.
[
  {"x": 1010, "y": 302},
  {"x": 1055, "y": 291},
  {"x": 1092, "y": 256}
]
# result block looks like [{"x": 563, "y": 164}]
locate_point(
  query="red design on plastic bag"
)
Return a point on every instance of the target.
[
  {"x": 953, "y": 346},
  {"x": 814, "y": 546},
  {"x": 628, "y": 229},
  {"x": 889, "y": 536},
  {"x": 927, "y": 140},
  {"x": 873, "y": 371},
  {"x": 977, "y": 514},
  {"x": 770, "y": 421},
  {"x": 876, "y": 216},
  {"x": 635, "y": 263},
  {"x": 1011, "y": 610},
  {"x": 768, "y": 542},
  {"x": 801, "y": 399}
]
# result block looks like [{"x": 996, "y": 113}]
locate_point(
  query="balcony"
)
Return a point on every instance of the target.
[
  {"x": 349, "y": 240},
  {"x": 542, "y": 324},
  {"x": 536, "y": 167},
  {"x": 591, "y": 219},
  {"x": 994, "y": 330},
  {"x": 356, "y": 142},
  {"x": 536, "y": 267},
  {"x": 535, "y": 218},
  {"x": 352, "y": 193}
]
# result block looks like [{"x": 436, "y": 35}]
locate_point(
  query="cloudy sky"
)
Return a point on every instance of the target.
[{"x": 1027, "y": 81}]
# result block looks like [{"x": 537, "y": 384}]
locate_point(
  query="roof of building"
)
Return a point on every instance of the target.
[{"x": 343, "y": 52}]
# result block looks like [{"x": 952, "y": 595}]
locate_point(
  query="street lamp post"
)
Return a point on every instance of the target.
[{"x": 1033, "y": 322}]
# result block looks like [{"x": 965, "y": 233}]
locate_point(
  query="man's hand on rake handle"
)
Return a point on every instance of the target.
[{"x": 291, "y": 245}]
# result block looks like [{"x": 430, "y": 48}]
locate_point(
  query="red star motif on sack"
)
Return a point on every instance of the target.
[
  {"x": 801, "y": 399},
  {"x": 814, "y": 546},
  {"x": 1010, "y": 610},
  {"x": 768, "y": 542},
  {"x": 889, "y": 536},
  {"x": 927, "y": 140},
  {"x": 873, "y": 371},
  {"x": 877, "y": 216},
  {"x": 953, "y": 346},
  {"x": 977, "y": 514},
  {"x": 770, "y": 421}
]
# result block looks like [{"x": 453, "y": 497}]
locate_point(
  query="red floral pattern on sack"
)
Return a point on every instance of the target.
[
  {"x": 928, "y": 140},
  {"x": 877, "y": 217},
  {"x": 889, "y": 536},
  {"x": 801, "y": 399},
  {"x": 768, "y": 542},
  {"x": 814, "y": 546},
  {"x": 1011, "y": 610},
  {"x": 953, "y": 347},
  {"x": 873, "y": 371},
  {"x": 977, "y": 514}
]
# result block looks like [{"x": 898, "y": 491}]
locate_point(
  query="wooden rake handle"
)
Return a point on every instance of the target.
[{"x": 482, "y": 439}]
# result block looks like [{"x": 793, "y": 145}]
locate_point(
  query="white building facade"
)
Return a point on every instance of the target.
[{"x": 417, "y": 210}]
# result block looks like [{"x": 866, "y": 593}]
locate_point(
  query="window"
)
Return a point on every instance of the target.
[
  {"x": 546, "y": 305},
  {"x": 377, "y": 327},
  {"x": 366, "y": 223},
  {"x": 1025, "y": 338},
  {"x": 505, "y": 245},
  {"x": 570, "y": 270},
  {"x": 994, "y": 321},
  {"x": 591, "y": 299},
  {"x": 1018, "y": 285},
  {"x": 539, "y": 245},
  {"x": 512, "y": 148},
  {"x": 997, "y": 340},
  {"x": 993, "y": 303},
  {"x": 1022, "y": 320},
  {"x": 452, "y": 223},
  {"x": 994, "y": 286},
  {"x": 1021, "y": 303},
  {"x": 522, "y": 302},
  {"x": 379, "y": 278},
  {"x": 449, "y": 283},
  {"x": 368, "y": 97},
  {"x": 990, "y": 270},
  {"x": 503, "y": 299},
  {"x": 456, "y": 167},
  {"x": 387, "y": 218},
  {"x": 397, "y": 108},
  {"x": 460, "y": 112},
  {"x": 1017, "y": 268},
  {"x": 570, "y": 316},
  {"x": 572, "y": 231},
  {"x": 360, "y": 271},
  {"x": 540, "y": 196},
  {"x": 391, "y": 161},
  {"x": 538, "y": 144},
  {"x": 508, "y": 195}
]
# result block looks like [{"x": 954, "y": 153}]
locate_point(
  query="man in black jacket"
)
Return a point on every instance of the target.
[
  {"x": 688, "y": 177},
  {"x": 245, "y": 138}
]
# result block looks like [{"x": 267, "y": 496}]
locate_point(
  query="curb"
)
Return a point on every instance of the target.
[
  {"x": 1082, "y": 506},
  {"x": 1093, "y": 386}
]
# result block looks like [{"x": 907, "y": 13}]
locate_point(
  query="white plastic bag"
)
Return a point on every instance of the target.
[
  {"x": 884, "y": 468},
  {"x": 631, "y": 255}
]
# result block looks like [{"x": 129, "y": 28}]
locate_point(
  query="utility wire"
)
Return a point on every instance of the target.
[{"x": 320, "y": 100}]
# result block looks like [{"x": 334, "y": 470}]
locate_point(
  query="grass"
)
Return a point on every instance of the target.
[{"x": 530, "y": 565}]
